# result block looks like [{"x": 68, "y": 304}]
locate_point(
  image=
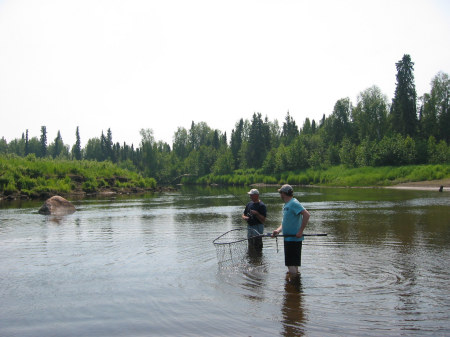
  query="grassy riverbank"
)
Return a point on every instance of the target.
[
  {"x": 39, "y": 178},
  {"x": 31, "y": 177},
  {"x": 335, "y": 176}
]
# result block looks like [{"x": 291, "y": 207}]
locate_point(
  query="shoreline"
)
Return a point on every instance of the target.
[
  {"x": 430, "y": 185},
  {"x": 77, "y": 195},
  {"x": 426, "y": 185}
]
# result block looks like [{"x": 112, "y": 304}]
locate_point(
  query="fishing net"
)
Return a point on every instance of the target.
[{"x": 233, "y": 246}]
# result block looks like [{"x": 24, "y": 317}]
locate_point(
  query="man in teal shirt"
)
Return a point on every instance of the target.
[{"x": 295, "y": 219}]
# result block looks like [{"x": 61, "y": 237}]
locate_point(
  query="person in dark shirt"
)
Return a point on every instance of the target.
[{"x": 255, "y": 213}]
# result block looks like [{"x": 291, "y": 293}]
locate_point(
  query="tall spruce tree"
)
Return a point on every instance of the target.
[
  {"x": 27, "y": 148},
  {"x": 43, "y": 141},
  {"x": 77, "y": 147},
  {"x": 289, "y": 131},
  {"x": 109, "y": 146},
  {"x": 258, "y": 141},
  {"x": 403, "y": 116},
  {"x": 236, "y": 140},
  {"x": 58, "y": 145}
]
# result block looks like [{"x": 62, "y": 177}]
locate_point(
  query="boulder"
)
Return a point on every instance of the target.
[{"x": 57, "y": 205}]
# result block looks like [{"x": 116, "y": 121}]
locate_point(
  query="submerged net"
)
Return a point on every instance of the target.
[{"x": 232, "y": 247}]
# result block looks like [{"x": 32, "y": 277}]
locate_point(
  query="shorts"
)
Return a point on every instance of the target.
[{"x": 292, "y": 253}]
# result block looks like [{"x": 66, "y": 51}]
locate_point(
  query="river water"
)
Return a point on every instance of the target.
[{"x": 143, "y": 266}]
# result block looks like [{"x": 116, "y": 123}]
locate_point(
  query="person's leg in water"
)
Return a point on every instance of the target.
[
  {"x": 292, "y": 251},
  {"x": 256, "y": 242}
]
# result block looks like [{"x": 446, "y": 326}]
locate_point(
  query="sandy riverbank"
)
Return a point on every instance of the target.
[{"x": 431, "y": 185}]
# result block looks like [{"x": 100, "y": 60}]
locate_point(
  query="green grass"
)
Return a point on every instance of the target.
[
  {"x": 35, "y": 177},
  {"x": 334, "y": 176}
]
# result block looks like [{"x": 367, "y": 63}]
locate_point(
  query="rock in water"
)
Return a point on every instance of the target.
[{"x": 57, "y": 205}]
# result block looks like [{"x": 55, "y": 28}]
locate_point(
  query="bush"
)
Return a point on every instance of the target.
[{"x": 89, "y": 185}]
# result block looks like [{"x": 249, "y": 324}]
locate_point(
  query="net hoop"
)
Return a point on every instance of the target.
[
  {"x": 232, "y": 247},
  {"x": 228, "y": 238}
]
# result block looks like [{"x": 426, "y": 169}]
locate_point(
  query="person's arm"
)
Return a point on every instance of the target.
[
  {"x": 305, "y": 220},
  {"x": 260, "y": 217}
]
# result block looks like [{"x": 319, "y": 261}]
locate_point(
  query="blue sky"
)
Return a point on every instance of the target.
[{"x": 128, "y": 65}]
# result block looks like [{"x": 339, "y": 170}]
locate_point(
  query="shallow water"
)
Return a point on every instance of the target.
[{"x": 140, "y": 266}]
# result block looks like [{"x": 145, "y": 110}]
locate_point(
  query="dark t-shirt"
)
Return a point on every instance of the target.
[{"x": 257, "y": 206}]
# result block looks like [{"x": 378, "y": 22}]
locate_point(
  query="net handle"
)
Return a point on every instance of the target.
[
  {"x": 216, "y": 241},
  {"x": 291, "y": 235}
]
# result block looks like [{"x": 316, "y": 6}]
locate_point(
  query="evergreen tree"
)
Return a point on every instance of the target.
[
  {"x": 289, "y": 131},
  {"x": 236, "y": 141},
  {"x": 313, "y": 126},
  {"x": 77, "y": 147},
  {"x": 58, "y": 145},
  {"x": 258, "y": 141},
  {"x": 307, "y": 128},
  {"x": 103, "y": 147},
  {"x": 403, "y": 116},
  {"x": 43, "y": 141},
  {"x": 215, "y": 141},
  {"x": 108, "y": 146},
  {"x": 3, "y": 146},
  {"x": 223, "y": 140},
  {"x": 27, "y": 150}
]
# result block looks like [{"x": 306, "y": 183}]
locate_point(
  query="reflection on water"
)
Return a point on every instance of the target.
[
  {"x": 293, "y": 311},
  {"x": 147, "y": 266}
]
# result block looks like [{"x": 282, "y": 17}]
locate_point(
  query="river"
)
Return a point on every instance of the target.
[{"x": 146, "y": 265}]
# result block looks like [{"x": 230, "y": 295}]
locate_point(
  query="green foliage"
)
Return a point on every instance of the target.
[
  {"x": 437, "y": 153},
  {"x": 370, "y": 114},
  {"x": 335, "y": 176},
  {"x": 347, "y": 153},
  {"x": 33, "y": 176},
  {"x": 372, "y": 133},
  {"x": 404, "y": 107}
]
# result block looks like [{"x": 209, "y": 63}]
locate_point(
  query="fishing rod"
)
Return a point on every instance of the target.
[
  {"x": 249, "y": 214},
  {"x": 234, "y": 195}
]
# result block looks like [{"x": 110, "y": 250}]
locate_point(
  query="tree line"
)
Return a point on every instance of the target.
[{"x": 371, "y": 132}]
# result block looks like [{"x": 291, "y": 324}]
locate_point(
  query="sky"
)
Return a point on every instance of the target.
[{"x": 129, "y": 65}]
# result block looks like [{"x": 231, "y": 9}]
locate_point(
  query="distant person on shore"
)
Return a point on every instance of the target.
[
  {"x": 295, "y": 219},
  {"x": 255, "y": 214}
]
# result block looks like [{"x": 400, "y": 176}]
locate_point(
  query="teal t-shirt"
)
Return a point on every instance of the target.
[{"x": 292, "y": 219}]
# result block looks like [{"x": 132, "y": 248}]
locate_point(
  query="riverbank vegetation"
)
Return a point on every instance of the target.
[
  {"x": 42, "y": 177},
  {"x": 367, "y": 143},
  {"x": 334, "y": 176}
]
